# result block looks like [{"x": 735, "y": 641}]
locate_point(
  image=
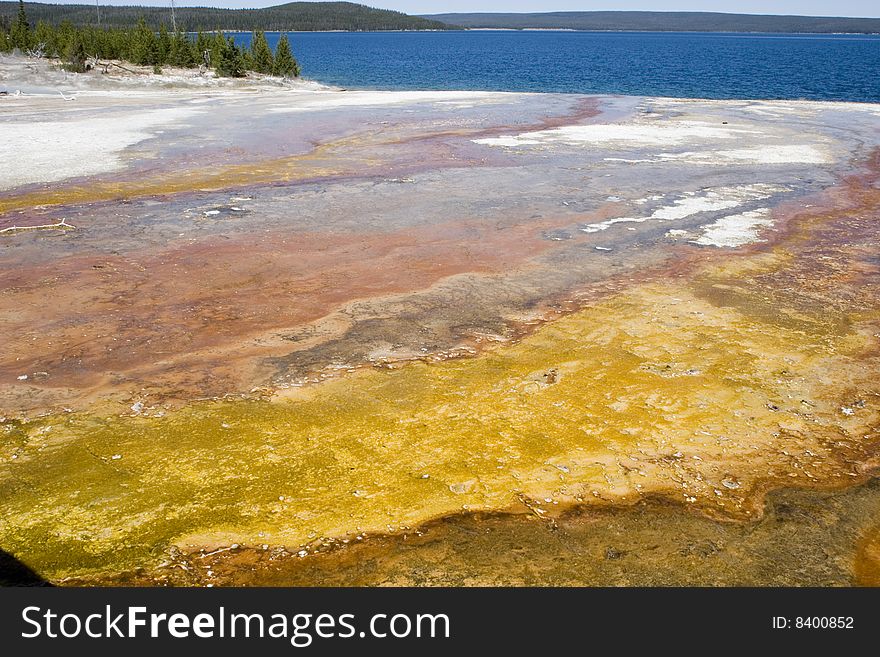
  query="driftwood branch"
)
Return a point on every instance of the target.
[
  {"x": 107, "y": 65},
  {"x": 61, "y": 225}
]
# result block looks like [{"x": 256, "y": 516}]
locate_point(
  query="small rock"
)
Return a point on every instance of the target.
[
  {"x": 612, "y": 553},
  {"x": 463, "y": 487}
]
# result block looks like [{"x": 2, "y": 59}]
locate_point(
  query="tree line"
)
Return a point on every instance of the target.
[
  {"x": 293, "y": 16},
  {"x": 142, "y": 45},
  {"x": 661, "y": 21}
]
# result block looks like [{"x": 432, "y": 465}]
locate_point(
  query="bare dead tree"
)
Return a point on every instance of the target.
[{"x": 38, "y": 51}]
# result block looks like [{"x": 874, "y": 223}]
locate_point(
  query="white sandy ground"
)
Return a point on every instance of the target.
[
  {"x": 808, "y": 109},
  {"x": 48, "y": 151},
  {"x": 788, "y": 109},
  {"x": 322, "y": 100},
  {"x": 769, "y": 154},
  {"x": 710, "y": 200},
  {"x": 647, "y": 133},
  {"x": 736, "y": 229},
  {"x": 666, "y": 133}
]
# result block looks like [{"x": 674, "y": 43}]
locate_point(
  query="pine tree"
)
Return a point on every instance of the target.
[
  {"x": 75, "y": 54},
  {"x": 20, "y": 33},
  {"x": 5, "y": 39},
  {"x": 218, "y": 45},
  {"x": 63, "y": 35},
  {"x": 247, "y": 59},
  {"x": 230, "y": 63},
  {"x": 21, "y": 20},
  {"x": 46, "y": 39},
  {"x": 143, "y": 45},
  {"x": 263, "y": 60},
  {"x": 163, "y": 45},
  {"x": 181, "y": 51},
  {"x": 203, "y": 48},
  {"x": 285, "y": 64}
]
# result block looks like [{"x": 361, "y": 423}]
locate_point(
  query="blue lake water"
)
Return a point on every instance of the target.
[{"x": 690, "y": 65}]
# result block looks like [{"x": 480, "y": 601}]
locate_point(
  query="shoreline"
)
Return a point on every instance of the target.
[
  {"x": 189, "y": 79},
  {"x": 543, "y": 29}
]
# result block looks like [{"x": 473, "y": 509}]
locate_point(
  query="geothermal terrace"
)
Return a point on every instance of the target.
[{"x": 262, "y": 334}]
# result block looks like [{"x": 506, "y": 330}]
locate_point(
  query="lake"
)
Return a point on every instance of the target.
[{"x": 688, "y": 65}]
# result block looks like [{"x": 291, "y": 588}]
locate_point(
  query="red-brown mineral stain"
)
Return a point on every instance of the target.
[{"x": 188, "y": 312}]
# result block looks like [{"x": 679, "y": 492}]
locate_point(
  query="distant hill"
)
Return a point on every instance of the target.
[
  {"x": 302, "y": 16},
  {"x": 655, "y": 21}
]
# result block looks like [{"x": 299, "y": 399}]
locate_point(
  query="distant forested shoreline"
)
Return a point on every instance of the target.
[
  {"x": 294, "y": 16},
  {"x": 352, "y": 17},
  {"x": 662, "y": 21}
]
